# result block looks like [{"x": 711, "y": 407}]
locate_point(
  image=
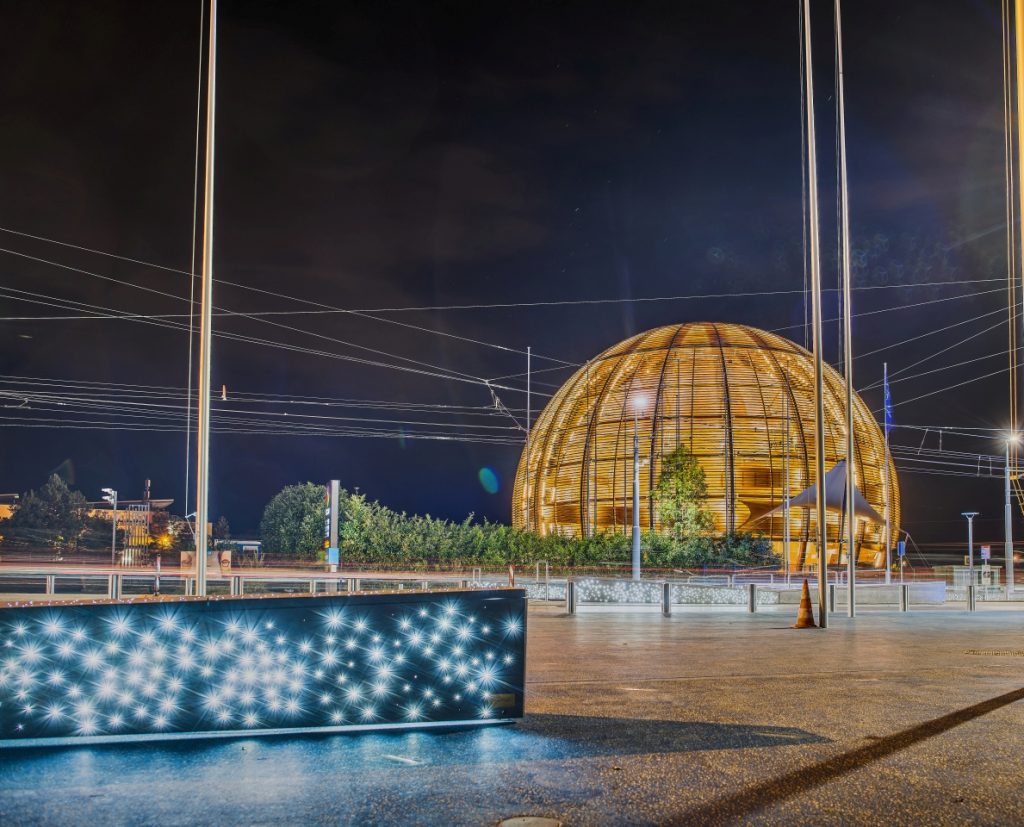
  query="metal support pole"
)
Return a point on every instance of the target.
[
  {"x": 636, "y": 496},
  {"x": 666, "y": 599},
  {"x": 904, "y": 598},
  {"x": 887, "y": 536},
  {"x": 1008, "y": 525},
  {"x": 206, "y": 321},
  {"x": 851, "y": 520},
  {"x": 526, "y": 477},
  {"x": 570, "y": 597},
  {"x": 752, "y": 597},
  {"x": 819, "y": 369},
  {"x": 970, "y": 515}
]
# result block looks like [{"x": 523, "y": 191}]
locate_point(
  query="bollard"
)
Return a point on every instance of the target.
[
  {"x": 114, "y": 586},
  {"x": 570, "y": 597},
  {"x": 904, "y": 598},
  {"x": 463, "y": 584},
  {"x": 236, "y": 585},
  {"x": 831, "y": 597},
  {"x": 666, "y": 599},
  {"x": 971, "y": 598},
  {"x": 752, "y": 598},
  {"x": 51, "y": 584}
]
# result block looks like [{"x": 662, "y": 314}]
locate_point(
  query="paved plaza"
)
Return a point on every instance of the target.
[{"x": 633, "y": 718}]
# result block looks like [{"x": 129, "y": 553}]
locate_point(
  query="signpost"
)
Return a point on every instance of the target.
[
  {"x": 901, "y": 553},
  {"x": 331, "y": 524},
  {"x": 986, "y": 552}
]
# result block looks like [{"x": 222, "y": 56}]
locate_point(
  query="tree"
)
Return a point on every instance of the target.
[
  {"x": 293, "y": 522},
  {"x": 222, "y": 531},
  {"x": 54, "y": 516},
  {"x": 681, "y": 495}
]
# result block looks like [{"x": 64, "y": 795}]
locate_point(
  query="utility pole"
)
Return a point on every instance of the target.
[
  {"x": 206, "y": 321},
  {"x": 819, "y": 369}
]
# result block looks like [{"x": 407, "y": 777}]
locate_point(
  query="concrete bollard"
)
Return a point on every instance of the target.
[
  {"x": 752, "y": 597},
  {"x": 904, "y": 598},
  {"x": 570, "y": 597},
  {"x": 666, "y": 599},
  {"x": 971, "y": 599}
]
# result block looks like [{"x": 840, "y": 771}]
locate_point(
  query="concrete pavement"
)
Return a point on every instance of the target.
[{"x": 632, "y": 719}]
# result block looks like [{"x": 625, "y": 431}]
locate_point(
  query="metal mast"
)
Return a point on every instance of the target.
[
  {"x": 819, "y": 370},
  {"x": 844, "y": 218},
  {"x": 206, "y": 321}
]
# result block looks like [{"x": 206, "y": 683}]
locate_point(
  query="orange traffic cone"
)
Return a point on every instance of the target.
[{"x": 805, "y": 617}]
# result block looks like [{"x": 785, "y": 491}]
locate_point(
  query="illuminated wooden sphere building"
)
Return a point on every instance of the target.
[{"x": 740, "y": 399}]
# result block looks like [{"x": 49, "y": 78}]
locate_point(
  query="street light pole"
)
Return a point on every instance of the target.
[
  {"x": 970, "y": 515},
  {"x": 1008, "y": 519},
  {"x": 636, "y": 488},
  {"x": 110, "y": 495}
]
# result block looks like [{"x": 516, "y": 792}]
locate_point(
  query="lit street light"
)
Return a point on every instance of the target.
[
  {"x": 638, "y": 405},
  {"x": 110, "y": 495},
  {"x": 970, "y": 515}
]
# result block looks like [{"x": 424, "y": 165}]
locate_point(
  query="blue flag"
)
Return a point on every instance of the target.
[{"x": 888, "y": 401}]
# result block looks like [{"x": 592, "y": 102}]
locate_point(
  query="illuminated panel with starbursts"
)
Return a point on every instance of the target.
[{"x": 225, "y": 667}]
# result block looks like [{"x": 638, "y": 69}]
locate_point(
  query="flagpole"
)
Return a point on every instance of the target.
[
  {"x": 887, "y": 416},
  {"x": 206, "y": 322},
  {"x": 851, "y": 516},
  {"x": 819, "y": 369}
]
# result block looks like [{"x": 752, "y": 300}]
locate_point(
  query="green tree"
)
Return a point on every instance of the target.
[
  {"x": 53, "y": 516},
  {"x": 293, "y": 522},
  {"x": 221, "y": 531},
  {"x": 681, "y": 495}
]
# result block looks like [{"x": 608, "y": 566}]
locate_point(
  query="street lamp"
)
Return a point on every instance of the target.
[
  {"x": 970, "y": 515},
  {"x": 1012, "y": 439},
  {"x": 639, "y": 402},
  {"x": 110, "y": 495}
]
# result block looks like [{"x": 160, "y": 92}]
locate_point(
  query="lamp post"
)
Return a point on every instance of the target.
[
  {"x": 1012, "y": 439},
  {"x": 638, "y": 404},
  {"x": 110, "y": 495},
  {"x": 970, "y": 515}
]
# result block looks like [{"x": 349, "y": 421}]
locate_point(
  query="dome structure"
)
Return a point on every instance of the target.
[{"x": 740, "y": 399}]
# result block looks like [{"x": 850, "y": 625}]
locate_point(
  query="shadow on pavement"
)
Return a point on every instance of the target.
[
  {"x": 802, "y": 780},
  {"x": 586, "y": 736}
]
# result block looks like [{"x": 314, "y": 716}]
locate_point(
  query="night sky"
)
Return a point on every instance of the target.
[{"x": 393, "y": 155}]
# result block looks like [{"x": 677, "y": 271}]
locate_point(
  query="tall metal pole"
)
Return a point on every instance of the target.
[
  {"x": 970, "y": 515},
  {"x": 819, "y": 370},
  {"x": 113, "y": 533},
  {"x": 785, "y": 527},
  {"x": 1008, "y": 524},
  {"x": 887, "y": 538},
  {"x": 851, "y": 518},
  {"x": 636, "y": 494},
  {"x": 526, "y": 481},
  {"x": 206, "y": 321}
]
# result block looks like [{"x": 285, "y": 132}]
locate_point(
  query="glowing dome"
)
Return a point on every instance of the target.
[{"x": 734, "y": 396}]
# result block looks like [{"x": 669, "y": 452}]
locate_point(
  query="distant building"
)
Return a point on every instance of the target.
[{"x": 741, "y": 400}]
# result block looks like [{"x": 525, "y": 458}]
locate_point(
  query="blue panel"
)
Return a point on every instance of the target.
[{"x": 251, "y": 664}]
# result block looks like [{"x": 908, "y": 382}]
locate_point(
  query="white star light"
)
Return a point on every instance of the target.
[{"x": 139, "y": 672}]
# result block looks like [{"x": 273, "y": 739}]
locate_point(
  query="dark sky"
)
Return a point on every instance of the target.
[{"x": 417, "y": 154}]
